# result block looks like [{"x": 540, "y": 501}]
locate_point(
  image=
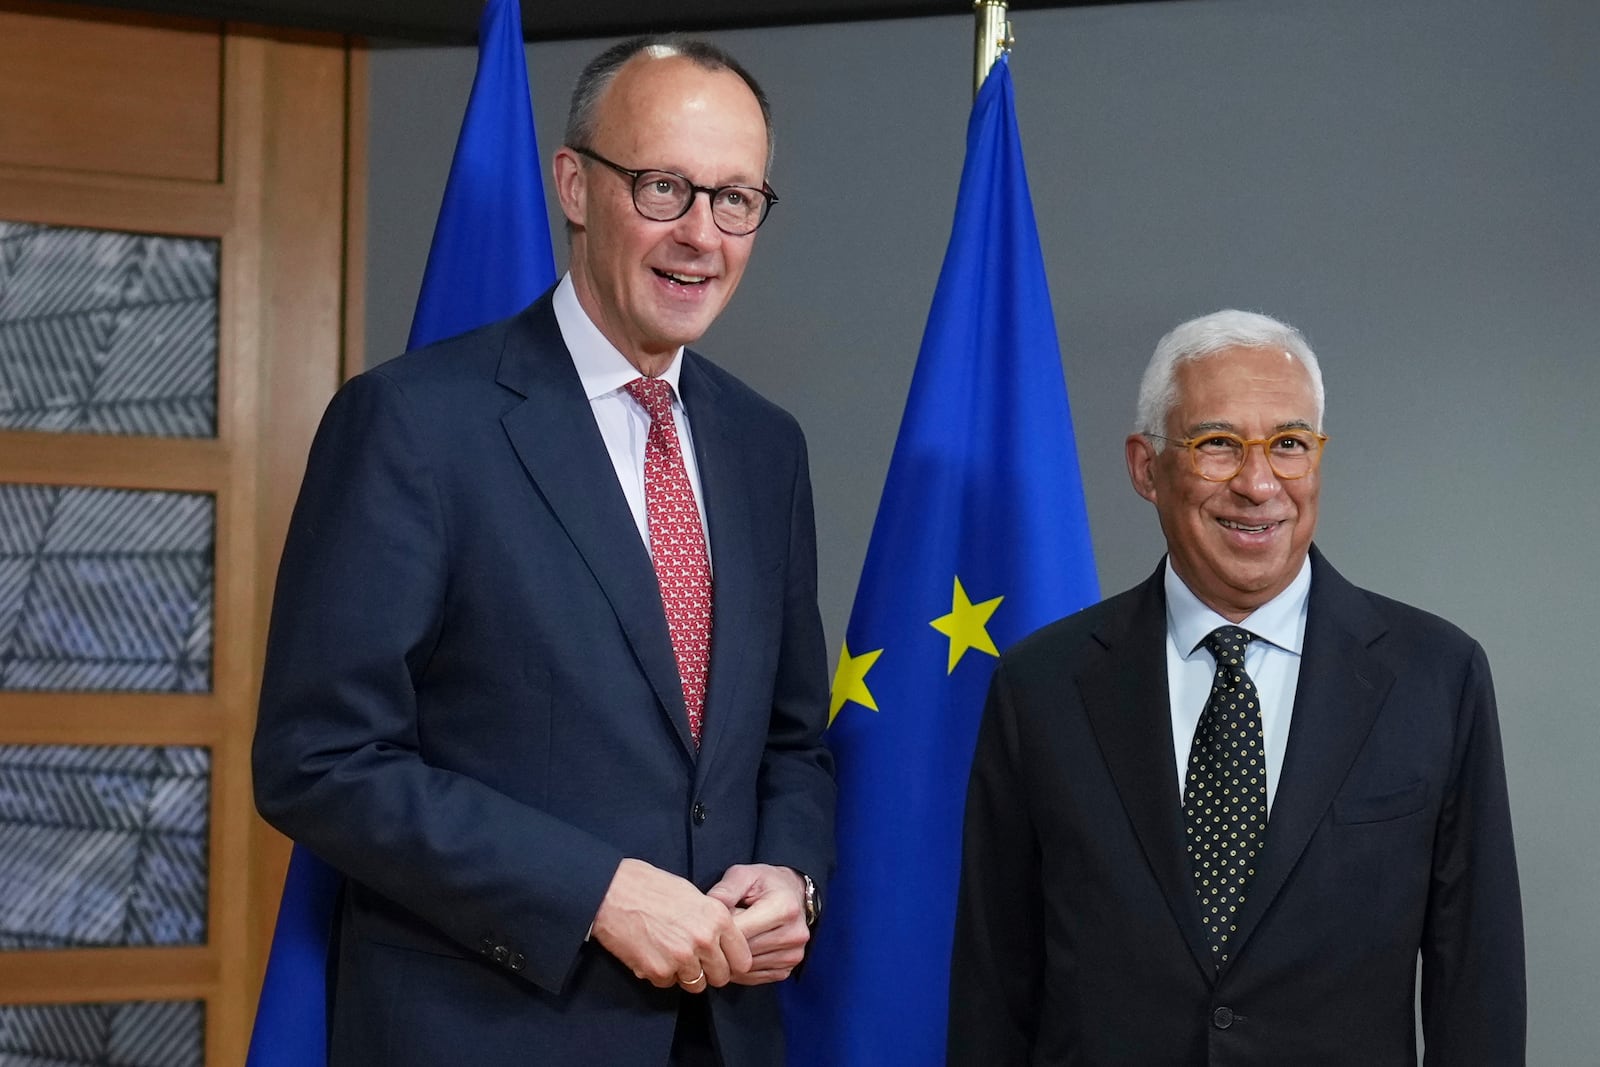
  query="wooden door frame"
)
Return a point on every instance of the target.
[{"x": 289, "y": 210}]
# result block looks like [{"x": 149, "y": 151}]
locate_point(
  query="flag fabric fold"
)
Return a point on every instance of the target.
[
  {"x": 490, "y": 257},
  {"x": 981, "y": 537}
]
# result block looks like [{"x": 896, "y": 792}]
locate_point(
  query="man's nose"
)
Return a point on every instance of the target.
[
  {"x": 1256, "y": 479},
  {"x": 696, "y": 227}
]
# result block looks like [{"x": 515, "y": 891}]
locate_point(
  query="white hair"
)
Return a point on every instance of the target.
[{"x": 1206, "y": 336}]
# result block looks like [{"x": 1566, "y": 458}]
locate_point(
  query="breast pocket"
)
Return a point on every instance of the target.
[{"x": 1382, "y": 807}]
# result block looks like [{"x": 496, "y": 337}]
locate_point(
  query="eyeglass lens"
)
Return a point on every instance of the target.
[
  {"x": 1218, "y": 457},
  {"x": 664, "y": 196}
]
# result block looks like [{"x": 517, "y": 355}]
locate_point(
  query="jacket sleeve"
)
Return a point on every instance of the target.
[
  {"x": 1474, "y": 995},
  {"x": 997, "y": 965},
  {"x": 796, "y": 788},
  {"x": 362, "y": 593}
]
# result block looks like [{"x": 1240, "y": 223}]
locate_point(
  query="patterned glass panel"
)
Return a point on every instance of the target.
[
  {"x": 150, "y": 1034},
  {"x": 104, "y": 332},
  {"x": 102, "y": 846},
  {"x": 105, "y": 589}
]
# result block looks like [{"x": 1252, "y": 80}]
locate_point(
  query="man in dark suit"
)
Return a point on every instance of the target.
[
  {"x": 1216, "y": 819},
  {"x": 546, "y": 675}
]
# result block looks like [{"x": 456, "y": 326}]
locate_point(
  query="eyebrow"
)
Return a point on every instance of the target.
[
  {"x": 739, "y": 182},
  {"x": 1225, "y": 425}
]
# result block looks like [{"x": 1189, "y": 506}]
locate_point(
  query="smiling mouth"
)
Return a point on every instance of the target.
[
  {"x": 1246, "y": 527},
  {"x": 682, "y": 279}
]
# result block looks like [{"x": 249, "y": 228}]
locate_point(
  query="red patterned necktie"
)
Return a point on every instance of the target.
[{"x": 677, "y": 546}]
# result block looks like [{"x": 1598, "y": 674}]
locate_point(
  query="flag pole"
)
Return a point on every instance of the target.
[{"x": 993, "y": 39}]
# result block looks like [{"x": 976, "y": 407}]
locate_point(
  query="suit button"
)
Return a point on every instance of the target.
[
  {"x": 518, "y": 961},
  {"x": 501, "y": 953},
  {"x": 486, "y": 946},
  {"x": 698, "y": 813},
  {"x": 1222, "y": 1018}
]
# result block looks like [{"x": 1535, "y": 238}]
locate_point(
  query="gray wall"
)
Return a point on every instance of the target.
[{"x": 1413, "y": 183}]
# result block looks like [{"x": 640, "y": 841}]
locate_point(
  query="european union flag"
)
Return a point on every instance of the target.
[
  {"x": 491, "y": 245},
  {"x": 981, "y": 537},
  {"x": 490, "y": 258}
]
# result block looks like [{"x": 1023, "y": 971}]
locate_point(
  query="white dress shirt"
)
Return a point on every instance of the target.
[
  {"x": 1272, "y": 660},
  {"x": 623, "y": 423}
]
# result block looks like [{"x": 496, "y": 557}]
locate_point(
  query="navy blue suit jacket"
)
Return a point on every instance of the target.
[
  {"x": 471, "y": 707},
  {"x": 1079, "y": 939}
]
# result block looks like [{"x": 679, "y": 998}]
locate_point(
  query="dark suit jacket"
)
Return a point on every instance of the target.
[
  {"x": 471, "y": 705},
  {"x": 1078, "y": 937}
]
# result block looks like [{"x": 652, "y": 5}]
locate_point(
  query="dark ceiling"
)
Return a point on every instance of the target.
[{"x": 455, "y": 21}]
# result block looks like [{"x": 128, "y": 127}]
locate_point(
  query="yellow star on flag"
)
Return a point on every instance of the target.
[
  {"x": 965, "y": 625},
  {"x": 850, "y": 681}
]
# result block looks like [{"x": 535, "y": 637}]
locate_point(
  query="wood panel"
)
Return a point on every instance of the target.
[
  {"x": 126, "y": 95},
  {"x": 109, "y": 719},
  {"x": 283, "y": 168},
  {"x": 90, "y": 975},
  {"x": 291, "y": 177},
  {"x": 150, "y": 205},
  {"x": 112, "y": 461},
  {"x": 355, "y": 214}
]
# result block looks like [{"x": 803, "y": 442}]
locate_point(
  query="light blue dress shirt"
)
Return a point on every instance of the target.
[{"x": 1272, "y": 661}]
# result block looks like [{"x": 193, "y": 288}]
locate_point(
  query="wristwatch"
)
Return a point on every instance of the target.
[{"x": 813, "y": 906}]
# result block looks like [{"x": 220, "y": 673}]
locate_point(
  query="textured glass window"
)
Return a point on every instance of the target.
[
  {"x": 105, "y": 589},
  {"x": 152, "y": 1034},
  {"x": 102, "y": 846},
  {"x": 104, "y": 332}
]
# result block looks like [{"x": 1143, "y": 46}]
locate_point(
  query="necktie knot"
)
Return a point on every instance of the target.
[
  {"x": 1227, "y": 644},
  {"x": 654, "y": 395}
]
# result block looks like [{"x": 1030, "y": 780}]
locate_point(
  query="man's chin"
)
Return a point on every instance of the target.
[{"x": 675, "y": 330}]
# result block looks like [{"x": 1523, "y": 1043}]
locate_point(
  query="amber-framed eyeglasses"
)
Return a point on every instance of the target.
[{"x": 1218, "y": 456}]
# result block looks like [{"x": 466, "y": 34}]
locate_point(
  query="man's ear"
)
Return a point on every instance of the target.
[
  {"x": 571, "y": 185},
  {"x": 1140, "y": 453}
]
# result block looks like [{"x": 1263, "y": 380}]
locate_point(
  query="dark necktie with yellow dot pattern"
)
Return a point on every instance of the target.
[{"x": 1225, "y": 791}]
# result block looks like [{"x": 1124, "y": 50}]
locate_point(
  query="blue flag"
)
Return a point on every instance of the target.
[
  {"x": 981, "y": 537},
  {"x": 490, "y": 258},
  {"x": 491, "y": 246}
]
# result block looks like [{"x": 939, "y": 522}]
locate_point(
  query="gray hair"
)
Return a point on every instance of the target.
[
  {"x": 1206, "y": 336},
  {"x": 602, "y": 71}
]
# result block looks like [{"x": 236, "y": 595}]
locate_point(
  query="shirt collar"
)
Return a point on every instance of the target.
[
  {"x": 601, "y": 368},
  {"x": 1281, "y": 621}
]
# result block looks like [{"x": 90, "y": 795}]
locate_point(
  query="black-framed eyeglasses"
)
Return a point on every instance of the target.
[
  {"x": 665, "y": 196},
  {"x": 1217, "y": 456}
]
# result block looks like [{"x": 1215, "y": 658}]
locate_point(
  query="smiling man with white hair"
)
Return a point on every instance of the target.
[{"x": 1217, "y": 819}]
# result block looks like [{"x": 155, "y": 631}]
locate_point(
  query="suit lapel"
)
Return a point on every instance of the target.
[
  {"x": 723, "y": 480},
  {"x": 554, "y": 434},
  {"x": 1341, "y": 687},
  {"x": 1127, "y": 700}
]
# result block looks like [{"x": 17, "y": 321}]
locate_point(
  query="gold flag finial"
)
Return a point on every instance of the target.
[{"x": 994, "y": 38}]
